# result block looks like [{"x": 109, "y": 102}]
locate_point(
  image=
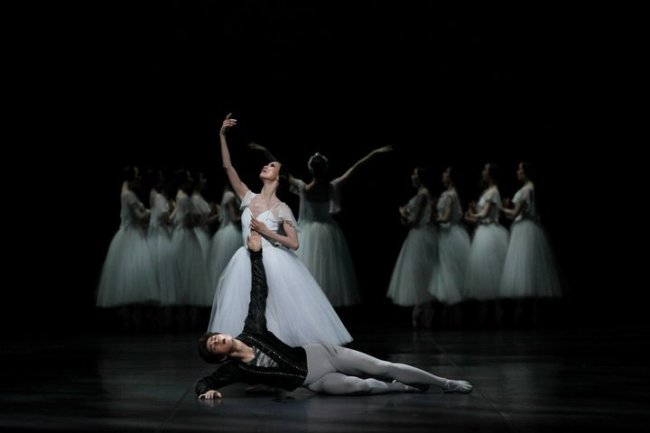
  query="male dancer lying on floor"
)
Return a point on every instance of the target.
[{"x": 257, "y": 356}]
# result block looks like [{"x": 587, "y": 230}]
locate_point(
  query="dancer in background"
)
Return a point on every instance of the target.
[
  {"x": 192, "y": 281},
  {"x": 529, "y": 270},
  {"x": 128, "y": 275},
  {"x": 204, "y": 214},
  {"x": 489, "y": 245},
  {"x": 446, "y": 285},
  {"x": 412, "y": 272},
  {"x": 159, "y": 238},
  {"x": 323, "y": 247}
]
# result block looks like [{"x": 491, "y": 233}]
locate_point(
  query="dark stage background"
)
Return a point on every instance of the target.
[{"x": 103, "y": 85}]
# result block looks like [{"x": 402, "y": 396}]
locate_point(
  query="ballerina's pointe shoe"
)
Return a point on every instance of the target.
[{"x": 457, "y": 386}]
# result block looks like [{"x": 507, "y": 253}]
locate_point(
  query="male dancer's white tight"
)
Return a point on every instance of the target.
[{"x": 336, "y": 370}]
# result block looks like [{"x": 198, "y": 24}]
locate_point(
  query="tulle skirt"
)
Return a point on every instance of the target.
[
  {"x": 297, "y": 310},
  {"x": 204, "y": 240},
  {"x": 324, "y": 251},
  {"x": 162, "y": 256},
  {"x": 446, "y": 283},
  {"x": 128, "y": 275},
  {"x": 485, "y": 263},
  {"x": 412, "y": 272},
  {"x": 192, "y": 281},
  {"x": 529, "y": 269}
]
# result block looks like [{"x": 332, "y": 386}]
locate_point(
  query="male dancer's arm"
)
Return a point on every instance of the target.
[
  {"x": 256, "y": 319},
  {"x": 255, "y": 323}
]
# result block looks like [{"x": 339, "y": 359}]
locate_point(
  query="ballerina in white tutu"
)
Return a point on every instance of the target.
[
  {"x": 529, "y": 270},
  {"x": 489, "y": 244},
  {"x": 298, "y": 311},
  {"x": 446, "y": 284},
  {"x": 204, "y": 214},
  {"x": 323, "y": 247},
  {"x": 192, "y": 281},
  {"x": 159, "y": 238},
  {"x": 412, "y": 272},
  {"x": 128, "y": 274}
]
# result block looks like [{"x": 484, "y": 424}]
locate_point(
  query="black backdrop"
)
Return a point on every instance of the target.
[{"x": 103, "y": 85}]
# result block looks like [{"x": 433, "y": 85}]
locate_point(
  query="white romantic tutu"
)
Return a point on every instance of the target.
[
  {"x": 204, "y": 240},
  {"x": 201, "y": 209},
  {"x": 162, "y": 256},
  {"x": 485, "y": 263},
  {"x": 128, "y": 275},
  {"x": 323, "y": 248},
  {"x": 324, "y": 251},
  {"x": 192, "y": 282},
  {"x": 297, "y": 311},
  {"x": 412, "y": 271},
  {"x": 160, "y": 245},
  {"x": 446, "y": 283},
  {"x": 529, "y": 269}
]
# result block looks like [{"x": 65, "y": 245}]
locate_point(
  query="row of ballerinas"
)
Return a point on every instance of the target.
[
  {"x": 164, "y": 254},
  {"x": 439, "y": 263},
  {"x": 322, "y": 265}
]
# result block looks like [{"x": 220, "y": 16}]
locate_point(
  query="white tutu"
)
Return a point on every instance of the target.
[
  {"x": 201, "y": 208},
  {"x": 485, "y": 262},
  {"x": 446, "y": 283},
  {"x": 529, "y": 269},
  {"x": 204, "y": 241},
  {"x": 192, "y": 281},
  {"x": 323, "y": 248},
  {"x": 128, "y": 274},
  {"x": 412, "y": 271},
  {"x": 324, "y": 251},
  {"x": 297, "y": 311},
  {"x": 162, "y": 254}
]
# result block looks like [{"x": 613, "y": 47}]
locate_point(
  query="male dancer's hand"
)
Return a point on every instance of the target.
[
  {"x": 212, "y": 394},
  {"x": 254, "y": 241}
]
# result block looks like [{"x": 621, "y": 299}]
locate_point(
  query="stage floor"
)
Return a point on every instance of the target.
[{"x": 524, "y": 381}]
